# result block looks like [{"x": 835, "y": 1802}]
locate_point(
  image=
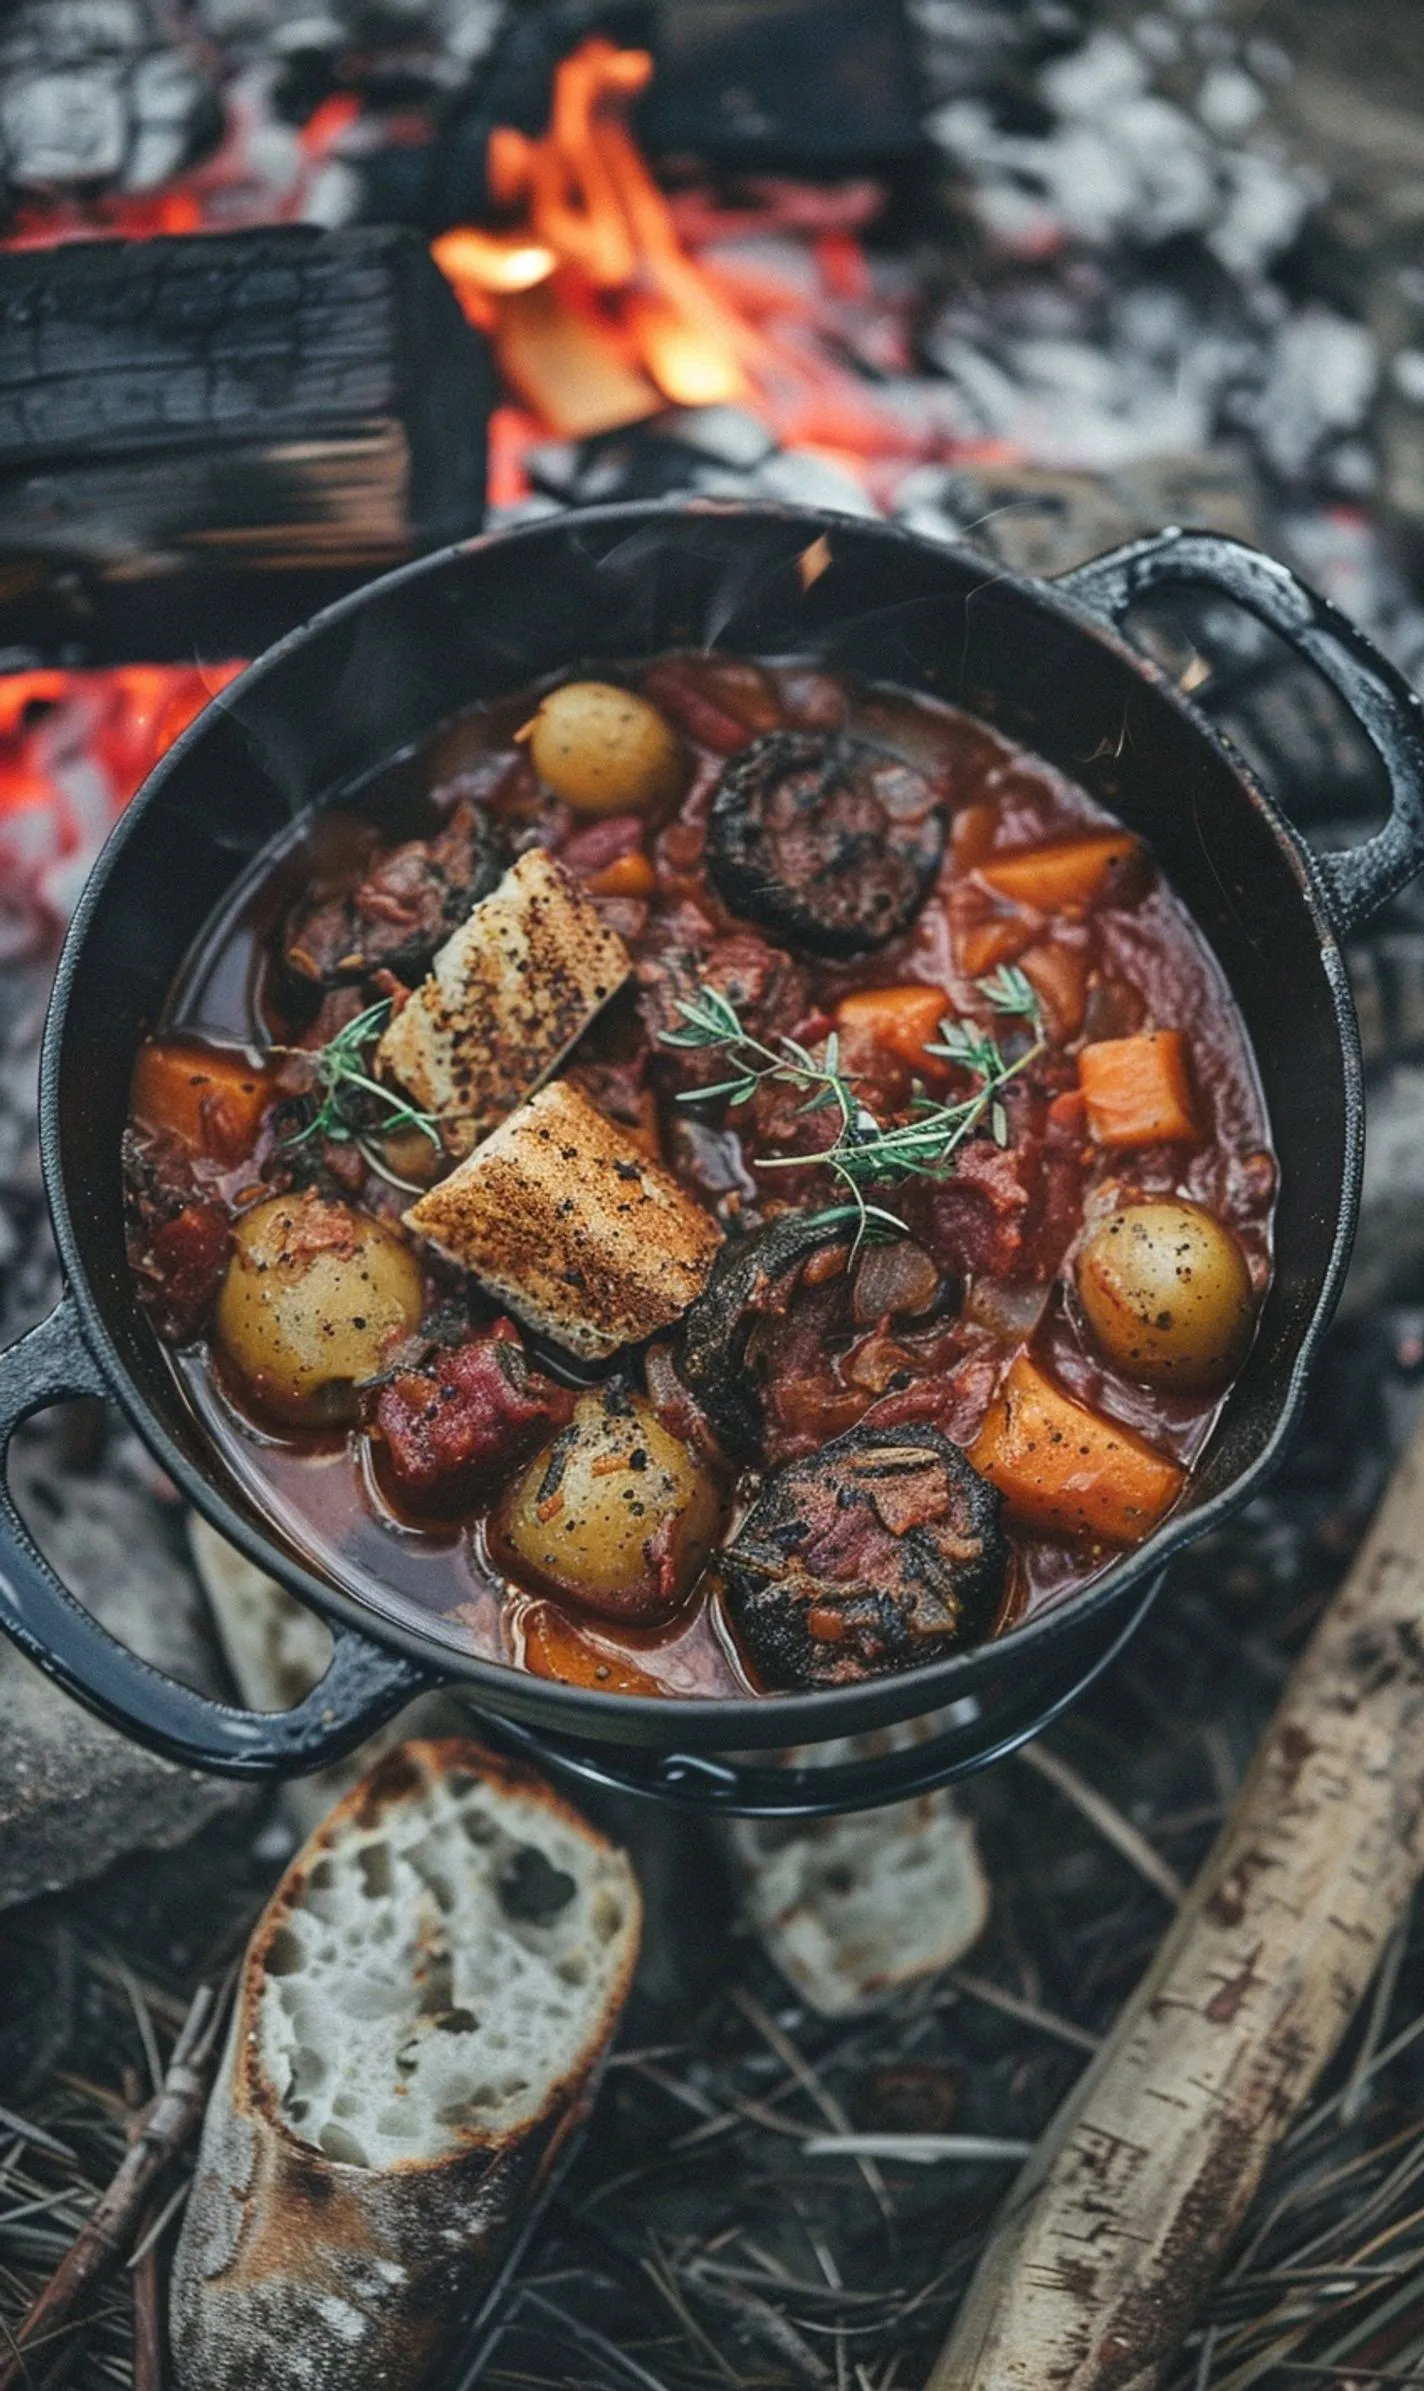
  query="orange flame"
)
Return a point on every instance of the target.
[
  {"x": 600, "y": 314},
  {"x": 597, "y": 312}
]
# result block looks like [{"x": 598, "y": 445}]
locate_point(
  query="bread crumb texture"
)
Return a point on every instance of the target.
[
  {"x": 422, "y": 2012},
  {"x": 504, "y": 1000},
  {"x": 566, "y": 1220}
]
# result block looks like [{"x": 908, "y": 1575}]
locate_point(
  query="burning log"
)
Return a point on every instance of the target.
[
  {"x": 255, "y": 400},
  {"x": 1114, "y": 2231}
]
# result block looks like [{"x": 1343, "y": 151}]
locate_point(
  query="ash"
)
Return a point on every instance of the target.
[{"x": 1163, "y": 269}]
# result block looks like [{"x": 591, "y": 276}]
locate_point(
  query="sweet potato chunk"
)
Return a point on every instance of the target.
[
  {"x": 1072, "y": 872},
  {"x": 902, "y": 1021},
  {"x": 553, "y": 1647},
  {"x": 211, "y": 1101},
  {"x": 1137, "y": 1090},
  {"x": 1067, "y": 1470}
]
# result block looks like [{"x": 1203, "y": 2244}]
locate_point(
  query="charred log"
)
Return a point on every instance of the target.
[{"x": 256, "y": 400}]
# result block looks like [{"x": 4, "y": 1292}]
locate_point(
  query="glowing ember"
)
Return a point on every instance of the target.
[{"x": 74, "y": 746}]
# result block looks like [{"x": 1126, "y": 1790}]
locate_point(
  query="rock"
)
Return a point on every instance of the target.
[
  {"x": 853, "y": 1909},
  {"x": 1036, "y": 521},
  {"x": 74, "y": 1794}
]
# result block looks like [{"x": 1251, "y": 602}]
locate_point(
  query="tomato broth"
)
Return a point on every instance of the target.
[{"x": 942, "y": 1399}]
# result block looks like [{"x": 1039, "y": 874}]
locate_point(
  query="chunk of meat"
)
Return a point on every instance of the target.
[
  {"x": 719, "y": 702},
  {"x": 879, "y": 1553},
  {"x": 769, "y": 990},
  {"x": 411, "y": 899},
  {"x": 976, "y": 1222},
  {"x": 180, "y": 1266},
  {"x": 830, "y": 842},
  {"x": 456, "y": 1424},
  {"x": 722, "y": 1353}
]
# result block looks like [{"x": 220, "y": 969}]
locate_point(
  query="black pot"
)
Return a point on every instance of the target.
[{"x": 373, "y": 676}]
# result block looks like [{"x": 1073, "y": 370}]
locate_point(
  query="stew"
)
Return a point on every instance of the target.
[{"x": 717, "y": 1177}]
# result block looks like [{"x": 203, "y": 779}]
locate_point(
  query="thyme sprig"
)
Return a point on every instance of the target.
[
  {"x": 865, "y": 1151},
  {"x": 351, "y": 1106}
]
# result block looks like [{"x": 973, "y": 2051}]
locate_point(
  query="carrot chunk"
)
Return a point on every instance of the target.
[
  {"x": 900, "y": 1020},
  {"x": 1072, "y": 872},
  {"x": 1137, "y": 1090},
  {"x": 1067, "y": 1470},
  {"x": 553, "y": 1647},
  {"x": 981, "y": 946},
  {"x": 211, "y": 1101},
  {"x": 626, "y": 876}
]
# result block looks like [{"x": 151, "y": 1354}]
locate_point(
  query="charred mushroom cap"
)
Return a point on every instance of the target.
[
  {"x": 830, "y": 842},
  {"x": 751, "y": 1277},
  {"x": 879, "y": 1553}
]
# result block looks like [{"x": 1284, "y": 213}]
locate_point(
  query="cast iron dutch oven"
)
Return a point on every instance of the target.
[{"x": 1046, "y": 664}]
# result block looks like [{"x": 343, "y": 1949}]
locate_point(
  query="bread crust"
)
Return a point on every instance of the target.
[
  {"x": 299, "y": 2272},
  {"x": 564, "y": 1218},
  {"x": 504, "y": 1000}
]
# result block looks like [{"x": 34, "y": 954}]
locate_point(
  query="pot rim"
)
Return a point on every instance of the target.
[{"x": 716, "y": 1722}]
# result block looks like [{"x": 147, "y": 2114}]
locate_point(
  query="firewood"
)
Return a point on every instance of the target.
[
  {"x": 1111, "y": 2236},
  {"x": 283, "y": 398}
]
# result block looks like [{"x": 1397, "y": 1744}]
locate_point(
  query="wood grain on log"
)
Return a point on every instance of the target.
[
  {"x": 1111, "y": 2237},
  {"x": 277, "y": 398}
]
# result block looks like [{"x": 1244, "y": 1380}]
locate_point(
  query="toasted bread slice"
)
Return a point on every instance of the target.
[
  {"x": 422, "y": 2013},
  {"x": 504, "y": 1000},
  {"x": 563, "y": 1217}
]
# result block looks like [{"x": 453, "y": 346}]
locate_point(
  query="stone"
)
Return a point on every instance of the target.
[
  {"x": 1036, "y": 521},
  {"x": 75, "y": 1795}
]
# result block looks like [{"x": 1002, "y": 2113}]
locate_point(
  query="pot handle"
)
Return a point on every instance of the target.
[
  {"x": 363, "y": 1686},
  {"x": 1357, "y": 880}
]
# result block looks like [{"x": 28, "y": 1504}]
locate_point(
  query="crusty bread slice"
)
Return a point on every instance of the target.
[
  {"x": 504, "y": 1000},
  {"x": 852, "y": 1909},
  {"x": 564, "y": 1218},
  {"x": 422, "y": 2011}
]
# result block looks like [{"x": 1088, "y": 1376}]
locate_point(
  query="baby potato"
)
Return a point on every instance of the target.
[
  {"x": 615, "y": 1517},
  {"x": 605, "y": 751},
  {"x": 1168, "y": 1295},
  {"x": 315, "y": 1296}
]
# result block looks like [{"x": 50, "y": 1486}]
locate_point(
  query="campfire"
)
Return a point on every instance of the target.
[
  {"x": 603, "y": 312},
  {"x": 1141, "y": 266}
]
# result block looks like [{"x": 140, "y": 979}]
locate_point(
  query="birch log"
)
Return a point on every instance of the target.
[{"x": 1111, "y": 2236}]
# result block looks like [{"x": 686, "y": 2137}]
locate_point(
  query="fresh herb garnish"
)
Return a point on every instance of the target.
[
  {"x": 866, "y": 1152},
  {"x": 351, "y": 1106}
]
